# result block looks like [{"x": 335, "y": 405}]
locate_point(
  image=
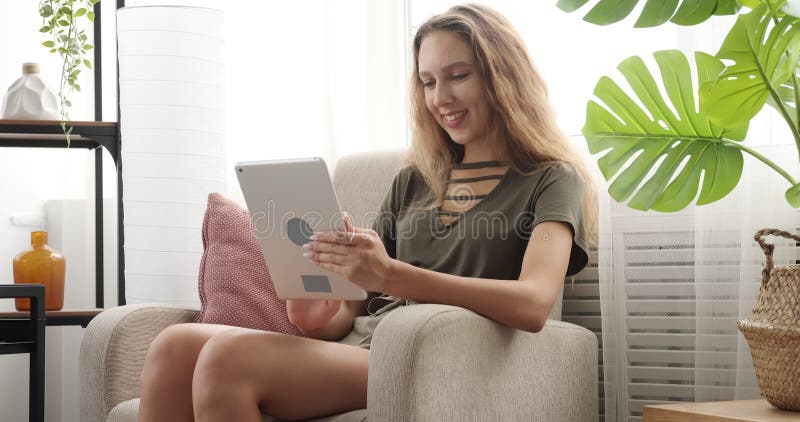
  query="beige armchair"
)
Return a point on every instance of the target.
[{"x": 428, "y": 362}]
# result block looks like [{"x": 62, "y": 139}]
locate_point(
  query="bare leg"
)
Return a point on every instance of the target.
[
  {"x": 167, "y": 373},
  {"x": 242, "y": 373}
]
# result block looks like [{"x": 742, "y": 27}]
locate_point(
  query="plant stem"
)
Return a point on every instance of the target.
[
  {"x": 775, "y": 96},
  {"x": 63, "y": 95},
  {"x": 785, "y": 114},
  {"x": 796, "y": 98},
  {"x": 761, "y": 158}
]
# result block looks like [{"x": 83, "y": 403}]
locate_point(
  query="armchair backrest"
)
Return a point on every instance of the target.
[{"x": 362, "y": 180}]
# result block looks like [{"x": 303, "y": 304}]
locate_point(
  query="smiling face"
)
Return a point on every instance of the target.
[{"x": 455, "y": 94}]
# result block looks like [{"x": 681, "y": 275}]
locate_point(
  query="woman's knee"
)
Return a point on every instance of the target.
[
  {"x": 174, "y": 350},
  {"x": 218, "y": 360},
  {"x": 222, "y": 367}
]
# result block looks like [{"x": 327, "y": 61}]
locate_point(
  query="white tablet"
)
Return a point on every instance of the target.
[{"x": 289, "y": 200}]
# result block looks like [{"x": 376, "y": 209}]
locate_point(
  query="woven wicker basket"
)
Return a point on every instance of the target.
[{"x": 773, "y": 329}]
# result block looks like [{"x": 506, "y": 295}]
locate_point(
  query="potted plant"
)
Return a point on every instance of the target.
[
  {"x": 688, "y": 150},
  {"x": 61, "y": 22}
]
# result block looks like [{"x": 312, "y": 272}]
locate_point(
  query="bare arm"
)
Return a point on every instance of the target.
[{"x": 524, "y": 304}]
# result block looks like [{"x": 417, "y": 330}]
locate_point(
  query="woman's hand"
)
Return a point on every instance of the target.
[
  {"x": 356, "y": 253},
  {"x": 309, "y": 315}
]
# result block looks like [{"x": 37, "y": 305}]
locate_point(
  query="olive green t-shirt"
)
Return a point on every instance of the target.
[{"x": 489, "y": 239}]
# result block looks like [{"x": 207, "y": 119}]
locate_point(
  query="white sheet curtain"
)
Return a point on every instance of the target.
[{"x": 672, "y": 286}]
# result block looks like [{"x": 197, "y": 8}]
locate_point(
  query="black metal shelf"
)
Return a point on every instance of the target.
[
  {"x": 85, "y": 135},
  {"x": 17, "y": 330},
  {"x": 60, "y": 318},
  {"x": 9, "y": 348},
  {"x": 48, "y": 134},
  {"x": 20, "y": 335}
]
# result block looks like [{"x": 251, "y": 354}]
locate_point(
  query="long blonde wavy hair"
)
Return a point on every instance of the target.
[{"x": 521, "y": 113}]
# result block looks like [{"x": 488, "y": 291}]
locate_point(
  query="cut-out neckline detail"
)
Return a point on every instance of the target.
[
  {"x": 479, "y": 165},
  {"x": 484, "y": 197},
  {"x": 475, "y": 179}
]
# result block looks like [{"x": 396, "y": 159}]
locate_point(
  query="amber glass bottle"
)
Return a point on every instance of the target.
[{"x": 42, "y": 265}]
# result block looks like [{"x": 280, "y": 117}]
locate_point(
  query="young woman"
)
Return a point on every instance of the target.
[{"x": 488, "y": 215}]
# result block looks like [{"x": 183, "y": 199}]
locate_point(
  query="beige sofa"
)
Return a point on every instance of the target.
[{"x": 428, "y": 362}]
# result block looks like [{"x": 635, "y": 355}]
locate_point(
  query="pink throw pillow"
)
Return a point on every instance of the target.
[{"x": 235, "y": 286}]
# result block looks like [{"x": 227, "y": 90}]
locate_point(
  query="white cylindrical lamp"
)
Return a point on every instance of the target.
[{"x": 172, "y": 121}]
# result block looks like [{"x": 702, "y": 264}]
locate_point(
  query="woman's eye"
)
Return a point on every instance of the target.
[
  {"x": 428, "y": 84},
  {"x": 460, "y": 76}
]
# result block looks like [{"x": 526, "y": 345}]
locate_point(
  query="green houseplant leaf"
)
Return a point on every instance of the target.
[
  {"x": 661, "y": 149},
  {"x": 763, "y": 60},
  {"x": 655, "y": 12},
  {"x": 750, "y": 3},
  {"x": 786, "y": 102},
  {"x": 793, "y": 196},
  {"x": 787, "y": 93},
  {"x": 624, "y": 128}
]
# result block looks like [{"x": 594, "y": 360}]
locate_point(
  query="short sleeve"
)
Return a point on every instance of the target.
[{"x": 560, "y": 198}]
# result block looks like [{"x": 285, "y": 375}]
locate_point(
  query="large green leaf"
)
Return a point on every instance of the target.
[
  {"x": 776, "y": 4},
  {"x": 750, "y": 3},
  {"x": 793, "y": 196},
  {"x": 763, "y": 58},
  {"x": 624, "y": 128},
  {"x": 655, "y": 12}
]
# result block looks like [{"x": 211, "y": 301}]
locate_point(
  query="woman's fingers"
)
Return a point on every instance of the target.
[
  {"x": 339, "y": 269},
  {"x": 329, "y": 258},
  {"x": 342, "y": 238},
  {"x": 334, "y": 248},
  {"x": 348, "y": 223}
]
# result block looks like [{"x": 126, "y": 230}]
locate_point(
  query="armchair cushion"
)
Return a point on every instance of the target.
[
  {"x": 129, "y": 412},
  {"x": 113, "y": 351},
  {"x": 438, "y": 362}
]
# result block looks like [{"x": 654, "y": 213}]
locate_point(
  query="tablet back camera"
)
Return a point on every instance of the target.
[{"x": 299, "y": 231}]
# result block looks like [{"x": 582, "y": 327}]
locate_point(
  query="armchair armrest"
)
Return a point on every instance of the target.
[
  {"x": 113, "y": 350},
  {"x": 438, "y": 362}
]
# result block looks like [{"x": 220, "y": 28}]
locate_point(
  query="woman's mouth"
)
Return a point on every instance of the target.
[{"x": 452, "y": 120}]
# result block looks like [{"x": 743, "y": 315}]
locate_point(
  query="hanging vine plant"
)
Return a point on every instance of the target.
[{"x": 60, "y": 21}]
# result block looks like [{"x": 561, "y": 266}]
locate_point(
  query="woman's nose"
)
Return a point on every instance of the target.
[{"x": 442, "y": 95}]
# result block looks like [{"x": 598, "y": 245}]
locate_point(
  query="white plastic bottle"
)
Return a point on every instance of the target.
[{"x": 28, "y": 98}]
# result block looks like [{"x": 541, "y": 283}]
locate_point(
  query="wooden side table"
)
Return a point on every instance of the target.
[{"x": 719, "y": 411}]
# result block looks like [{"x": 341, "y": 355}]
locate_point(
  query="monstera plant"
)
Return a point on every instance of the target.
[{"x": 693, "y": 149}]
